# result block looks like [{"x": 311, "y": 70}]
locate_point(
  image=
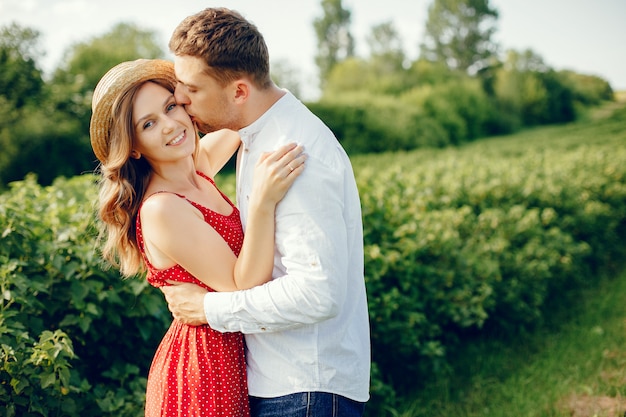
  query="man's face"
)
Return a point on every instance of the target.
[{"x": 209, "y": 104}]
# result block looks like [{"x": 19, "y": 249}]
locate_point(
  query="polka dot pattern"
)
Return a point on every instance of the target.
[{"x": 196, "y": 370}]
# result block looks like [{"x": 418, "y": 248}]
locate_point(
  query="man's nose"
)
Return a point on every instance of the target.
[{"x": 180, "y": 96}]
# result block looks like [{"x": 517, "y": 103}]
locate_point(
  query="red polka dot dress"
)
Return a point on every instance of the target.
[{"x": 196, "y": 370}]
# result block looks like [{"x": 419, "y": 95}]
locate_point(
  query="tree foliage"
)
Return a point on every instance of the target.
[
  {"x": 588, "y": 89},
  {"x": 334, "y": 40},
  {"x": 89, "y": 60},
  {"x": 377, "y": 102},
  {"x": 459, "y": 34},
  {"x": 21, "y": 88},
  {"x": 44, "y": 127},
  {"x": 531, "y": 91},
  {"x": 385, "y": 45},
  {"x": 382, "y": 72},
  {"x": 20, "y": 78}
]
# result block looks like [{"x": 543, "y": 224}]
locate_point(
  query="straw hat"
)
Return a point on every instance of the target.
[{"x": 111, "y": 86}]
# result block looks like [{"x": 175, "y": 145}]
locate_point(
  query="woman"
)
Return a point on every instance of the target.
[{"x": 161, "y": 212}]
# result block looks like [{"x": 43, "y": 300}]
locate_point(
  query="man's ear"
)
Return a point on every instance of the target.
[{"x": 242, "y": 91}]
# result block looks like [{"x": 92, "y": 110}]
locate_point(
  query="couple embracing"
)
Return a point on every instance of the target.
[{"x": 273, "y": 324}]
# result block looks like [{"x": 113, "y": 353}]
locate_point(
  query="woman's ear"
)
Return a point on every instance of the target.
[{"x": 134, "y": 154}]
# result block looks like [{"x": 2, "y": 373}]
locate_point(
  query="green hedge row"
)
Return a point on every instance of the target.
[
  {"x": 456, "y": 240},
  {"x": 485, "y": 235},
  {"x": 75, "y": 339},
  {"x": 427, "y": 117},
  {"x": 455, "y": 111}
]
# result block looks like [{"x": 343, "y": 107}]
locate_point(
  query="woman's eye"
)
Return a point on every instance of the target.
[
  {"x": 147, "y": 125},
  {"x": 171, "y": 106}
]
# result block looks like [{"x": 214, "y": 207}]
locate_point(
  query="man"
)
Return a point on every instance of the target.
[{"x": 307, "y": 330}]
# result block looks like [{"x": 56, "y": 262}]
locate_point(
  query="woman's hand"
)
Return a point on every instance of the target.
[{"x": 274, "y": 173}]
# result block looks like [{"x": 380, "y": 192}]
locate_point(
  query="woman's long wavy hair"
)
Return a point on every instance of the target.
[{"x": 123, "y": 183}]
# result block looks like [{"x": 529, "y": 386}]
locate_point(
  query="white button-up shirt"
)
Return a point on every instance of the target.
[{"x": 308, "y": 328}]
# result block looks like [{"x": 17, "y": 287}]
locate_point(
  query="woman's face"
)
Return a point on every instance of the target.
[{"x": 163, "y": 130}]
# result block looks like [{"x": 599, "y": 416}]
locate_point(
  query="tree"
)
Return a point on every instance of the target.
[
  {"x": 21, "y": 85},
  {"x": 530, "y": 90},
  {"x": 352, "y": 75},
  {"x": 334, "y": 40},
  {"x": 386, "y": 47},
  {"x": 458, "y": 33},
  {"x": 49, "y": 136},
  {"x": 587, "y": 89},
  {"x": 86, "y": 62},
  {"x": 382, "y": 73},
  {"x": 89, "y": 60},
  {"x": 20, "y": 78}
]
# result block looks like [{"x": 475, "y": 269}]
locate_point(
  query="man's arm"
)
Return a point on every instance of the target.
[
  {"x": 312, "y": 245},
  {"x": 311, "y": 263}
]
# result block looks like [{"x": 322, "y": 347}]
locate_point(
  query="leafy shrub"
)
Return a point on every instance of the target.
[
  {"x": 348, "y": 123},
  {"x": 369, "y": 125},
  {"x": 75, "y": 338},
  {"x": 460, "y": 106},
  {"x": 427, "y": 116},
  {"x": 50, "y": 144},
  {"x": 587, "y": 89},
  {"x": 455, "y": 240},
  {"x": 483, "y": 235}
]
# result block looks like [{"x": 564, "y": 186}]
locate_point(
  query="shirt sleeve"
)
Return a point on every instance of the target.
[{"x": 310, "y": 265}]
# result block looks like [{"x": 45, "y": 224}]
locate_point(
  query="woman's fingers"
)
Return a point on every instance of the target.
[
  {"x": 275, "y": 173},
  {"x": 284, "y": 160},
  {"x": 296, "y": 165},
  {"x": 276, "y": 155}
]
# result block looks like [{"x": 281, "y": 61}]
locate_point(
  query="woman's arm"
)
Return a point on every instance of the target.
[
  {"x": 216, "y": 148},
  {"x": 176, "y": 233},
  {"x": 274, "y": 173}
]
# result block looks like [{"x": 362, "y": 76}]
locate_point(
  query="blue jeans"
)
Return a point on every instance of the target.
[{"x": 306, "y": 404}]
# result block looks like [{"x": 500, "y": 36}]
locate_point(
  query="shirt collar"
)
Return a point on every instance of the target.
[{"x": 249, "y": 132}]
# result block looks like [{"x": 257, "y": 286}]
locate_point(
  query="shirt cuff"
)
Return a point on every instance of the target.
[{"x": 216, "y": 308}]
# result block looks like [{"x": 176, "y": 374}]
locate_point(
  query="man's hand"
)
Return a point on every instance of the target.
[{"x": 186, "y": 302}]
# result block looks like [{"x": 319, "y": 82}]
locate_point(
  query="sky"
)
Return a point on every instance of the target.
[{"x": 585, "y": 36}]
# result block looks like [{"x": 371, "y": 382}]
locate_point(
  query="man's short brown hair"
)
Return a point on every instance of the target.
[{"x": 231, "y": 46}]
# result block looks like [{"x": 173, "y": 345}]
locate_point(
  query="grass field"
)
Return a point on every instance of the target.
[{"x": 574, "y": 366}]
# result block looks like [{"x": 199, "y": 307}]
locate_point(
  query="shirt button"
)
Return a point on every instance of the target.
[{"x": 263, "y": 329}]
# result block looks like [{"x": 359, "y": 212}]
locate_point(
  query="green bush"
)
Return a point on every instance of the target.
[
  {"x": 45, "y": 143},
  {"x": 348, "y": 123},
  {"x": 427, "y": 116},
  {"x": 455, "y": 240},
  {"x": 587, "y": 89},
  {"x": 484, "y": 235},
  {"x": 75, "y": 338},
  {"x": 460, "y": 106}
]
